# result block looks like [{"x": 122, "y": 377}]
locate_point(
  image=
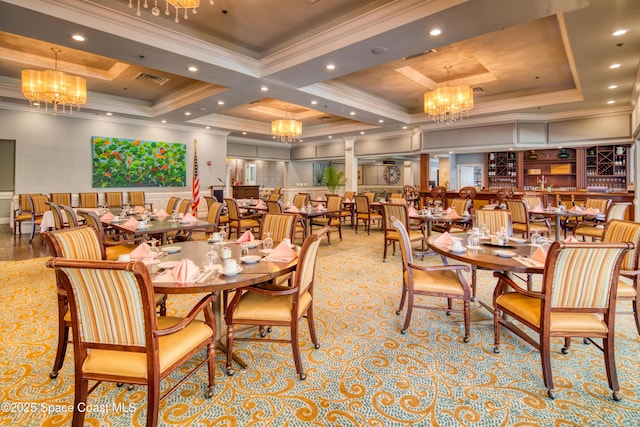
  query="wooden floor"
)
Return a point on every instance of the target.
[{"x": 18, "y": 247}]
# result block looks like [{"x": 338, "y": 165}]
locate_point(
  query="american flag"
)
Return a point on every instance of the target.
[{"x": 196, "y": 181}]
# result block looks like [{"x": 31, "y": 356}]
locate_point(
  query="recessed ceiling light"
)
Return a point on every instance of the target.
[
  {"x": 187, "y": 113},
  {"x": 264, "y": 88},
  {"x": 361, "y": 132},
  {"x": 379, "y": 50},
  {"x": 207, "y": 127},
  {"x": 192, "y": 68},
  {"x": 435, "y": 32},
  {"x": 404, "y": 127},
  {"x": 37, "y": 104},
  {"x": 330, "y": 136},
  {"x": 220, "y": 102},
  {"x": 273, "y": 137},
  {"x": 612, "y": 66},
  {"x": 611, "y": 102},
  {"x": 330, "y": 67},
  {"x": 450, "y": 152},
  {"x": 380, "y": 121},
  {"x": 613, "y": 87},
  {"x": 314, "y": 102},
  {"x": 352, "y": 113},
  {"x": 109, "y": 114},
  {"x": 78, "y": 37},
  {"x": 619, "y": 33},
  {"x": 244, "y": 133},
  {"x": 163, "y": 121},
  {"x": 559, "y": 147}
]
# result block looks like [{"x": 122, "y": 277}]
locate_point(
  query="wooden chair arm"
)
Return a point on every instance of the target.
[
  {"x": 273, "y": 290},
  {"x": 504, "y": 280},
  {"x": 204, "y": 304},
  {"x": 459, "y": 268}
]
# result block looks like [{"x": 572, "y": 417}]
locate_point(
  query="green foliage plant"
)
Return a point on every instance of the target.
[{"x": 334, "y": 179}]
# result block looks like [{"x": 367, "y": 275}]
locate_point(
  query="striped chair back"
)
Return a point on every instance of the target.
[
  {"x": 213, "y": 214},
  {"x": 460, "y": 205},
  {"x": 113, "y": 199},
  {"x": 75, "y": 243},
  {"x": 405, "y": 243},
  {"x": 305, "y": 271},
  {"x": 362, "y": 205},
  {"x": 281, "y": 226},
  {"x": 348, "y": 195},
  {"x": 88, "y": 200},
  {"x": 618, "y": 231},
  {"x": 532, "y": 202},
  {"x": 617, "y": 211},
  {"x": 61, "y": 198},
  {"x": 171, "y": 205},
  {"x": 371, "y": 196},
  {"x": 183, "y": 206},
  {"x": 136, "y": 198},
  {"x": 601, "y": 204},
  {"x": 519, "y": 211},
  {"x": 232, "y": 208},
  {"x": 72, "y": 218},
  {"x": 25, "y": 203},
  {"x": 273, "y": 197},
  {"x": 398, "y": 200},
  {"x": 91, "y": 218},
  {"x": 39, "y": 204},
  {"x": 582, "y": 275},
  {"x": 274, "y": 206},
  {"x": 397, "y": 211},
  {"x": 58, "y": 220},
  {"x": 113, "y": 302},
  {"x": 334, "y": 203},
  {"x": 495, "y": 220},
  {"x": 300, "y": 200}
]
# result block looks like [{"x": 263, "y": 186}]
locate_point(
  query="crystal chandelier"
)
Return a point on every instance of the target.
[
  {"x": 176, "y": 4},
  {"x": 448, "y": 103},
  {"x": 54, "y": 87},
  {"x": 286, "y": 129}
]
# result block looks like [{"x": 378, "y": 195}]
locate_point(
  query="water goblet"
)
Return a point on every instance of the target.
[
  {"x": 267, "y": 243},
  {"x": 245, "y": 248},
  {"x": 211, "y": 259}
]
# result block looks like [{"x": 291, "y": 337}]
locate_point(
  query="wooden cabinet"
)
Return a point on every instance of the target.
[
  {"x": 502, "y": 169},
  {"x": 246, "y": 191},
  {"x": 606, "y": 167},
  {"x": 555, "y": 168}
]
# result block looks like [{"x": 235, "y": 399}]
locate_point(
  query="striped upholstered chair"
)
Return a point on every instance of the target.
[
  {"x": 22, "y": 213},
  {"x": 627, "y": 231},
  {"x": 39, "y": 205},
  {"x": 365, "y": 214},
  {"x": 495, "y": 220},
  {"x": 137, "y": 198},
  {"x": 61, "y": 198},
  {"x": 115, "y": 244},
  {"x": 391, "y": 234},
  {"x": 577, "y": 299},
  {"x": 238, "y": 221},
  {"x": 279, "y": 226},
  {"x": 595, "y": 230},
  {"x": 88, "y": 200},
  {"x": 118, "y": 337},
  {"x": 521, "y": 221},
  {"x": 77, "y": 243},
  {"x": 334, "y": 205},
  {"x": 213, "y": 217},
  {"x": 113, "y": 199}
]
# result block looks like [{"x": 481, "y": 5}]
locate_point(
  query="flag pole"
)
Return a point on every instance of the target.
[{"x": 195, "y": 188}]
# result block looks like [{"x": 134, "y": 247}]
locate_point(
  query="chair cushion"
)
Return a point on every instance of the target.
[
  {"x": 588, "y": 230},
  {"x": 529, "y": 309},
  {"x": 436, "y": 281},
  {"x": 23, "y": 217},
  {"x": 256, "y": 306},
  {"x": 114, "y": 251},
  {"x": 626, "y": 289},
  {"x": 171, "y": 349},
  {"x": 413, "y": 235}
]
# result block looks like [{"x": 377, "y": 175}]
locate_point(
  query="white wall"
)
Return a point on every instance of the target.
[{"x": 53, "y": 153}]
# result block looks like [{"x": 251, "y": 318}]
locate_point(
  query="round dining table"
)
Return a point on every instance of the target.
[{"x": 251, "y": 274}]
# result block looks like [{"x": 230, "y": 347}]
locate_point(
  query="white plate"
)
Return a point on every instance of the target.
[
  {"x": 231, "y": 274},
  {"x": 171, "y": 249},
  {"x": 250, "y": 259},
  {"x": 461, "y": 251},
  {"x": 254, "y": 243},
  {"x": 505, "y": 254},
  {"x": 518, "y": 240},
  {"x": 266, "y": 251},
  {"x": 167, "y": 265}
]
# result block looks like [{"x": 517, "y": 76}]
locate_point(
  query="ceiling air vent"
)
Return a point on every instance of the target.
[
  {"x": 145, "y": 77},
  {"x": 478, "y": 90},
  {"x": 388, "y": 162}
]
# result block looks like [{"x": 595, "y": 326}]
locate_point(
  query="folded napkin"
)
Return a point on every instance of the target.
[
  {"x": 282, "y": 253},
  {"x": 539, "y": 255},
  {"x": 293, "y": 209},
  {"x": 571, "y": 239},
  {"x": 348, "y": 201},
  {"x": 575, "y": 209},
  {"x": 139, "y": 210},
  {"x": 413, "y": 211},
  {"x": 108, "y": 217},
  {"x": 319, "y": 199},
  {"x": 189, "y": 218},
  {"x": 537, "y": 209},
  {"x": 246, "y": 237},
  {"x": 449, "y": 211},
  {"x": 186, "y": 271},
  {"x": 453, "y": 214},
  {"x": 261, "y": 204},
  {"x": 161, "y": 214},
  {"x": 144, "y": 251},
  {"x": 445, "y": 239},
  {"x": 130, "y": 224},
  {"x": 320, "y": 207},
  {"x": 591, "y": 211}
]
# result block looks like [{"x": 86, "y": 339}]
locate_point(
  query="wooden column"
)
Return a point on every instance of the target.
[{"x": 424, "y": 172}]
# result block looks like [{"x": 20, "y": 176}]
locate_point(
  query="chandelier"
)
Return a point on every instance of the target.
[
  {"x": 286, "y": 129},
  {"x": 176, "y": 4},
  {"x": 54, "y": 87},
  {"x": 448, "y": 103}
]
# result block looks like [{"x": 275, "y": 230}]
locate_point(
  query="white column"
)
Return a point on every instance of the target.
[
  {"x": 407, "y": 173},
  {"x": 350, "y": 164}
]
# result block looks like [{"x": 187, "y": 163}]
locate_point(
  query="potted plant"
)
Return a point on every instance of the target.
[{"x": 334, "y": 179}]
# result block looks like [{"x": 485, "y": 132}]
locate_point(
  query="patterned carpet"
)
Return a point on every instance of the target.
[{"x": 365, "y": 374}]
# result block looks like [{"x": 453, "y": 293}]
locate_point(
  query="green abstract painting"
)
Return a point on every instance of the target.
[{"x": 119, "y": 162}]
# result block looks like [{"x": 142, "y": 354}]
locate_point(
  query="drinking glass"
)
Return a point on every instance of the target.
[
  {"x": 245, "y": 248},
  {"x": 211, "y": 259},
  {"x": 267, "y": 243}
]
